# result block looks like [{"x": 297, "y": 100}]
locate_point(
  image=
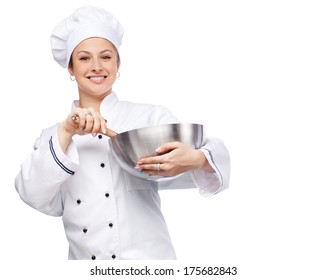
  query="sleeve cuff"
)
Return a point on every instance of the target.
[
  {"x": 217, "y": 156},
  {"x": 67, "y": 162}
]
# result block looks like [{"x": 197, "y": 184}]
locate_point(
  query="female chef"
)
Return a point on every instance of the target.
[{"x": 107, "y": 213}]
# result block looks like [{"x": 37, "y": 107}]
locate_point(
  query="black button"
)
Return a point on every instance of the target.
[
  {"x": 78, "y": 201},
  {"x": 93, "y": 258},
  {"x": 110, "y": 225},
  {"x": 100, "y": 136},
  {"x": 85, "y": 230},
  {"x": 113, "y": 256},
  {"x": 107, "y": 194},
  {"x": 102, "y": 165}
]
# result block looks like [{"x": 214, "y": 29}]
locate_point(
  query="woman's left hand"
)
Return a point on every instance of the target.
[{"x": 172, "y": 159}]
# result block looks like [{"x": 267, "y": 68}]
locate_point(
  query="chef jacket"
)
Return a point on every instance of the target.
[{"x": 108, "y": 213}]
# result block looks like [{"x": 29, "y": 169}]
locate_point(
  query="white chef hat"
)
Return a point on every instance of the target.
[{"x": 85, "y": 22}]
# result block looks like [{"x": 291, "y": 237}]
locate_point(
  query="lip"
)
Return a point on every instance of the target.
[{"x": 97, "y": 79}]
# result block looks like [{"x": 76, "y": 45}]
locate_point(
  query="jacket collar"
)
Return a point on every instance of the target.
[{"x": 108, "y": 103}]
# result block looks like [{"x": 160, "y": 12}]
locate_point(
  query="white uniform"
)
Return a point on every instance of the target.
[{"x": 107, "y": 213}]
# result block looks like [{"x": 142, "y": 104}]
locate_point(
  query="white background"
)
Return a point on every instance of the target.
[{"x": 252, "y": 71}]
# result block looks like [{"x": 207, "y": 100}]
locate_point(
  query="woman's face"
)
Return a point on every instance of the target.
[{"x": 95, "y": 64}]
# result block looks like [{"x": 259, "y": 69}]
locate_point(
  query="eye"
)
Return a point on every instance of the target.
[
  {"x": 84, "y": 58},
  {"x": 106, "y": 57}
]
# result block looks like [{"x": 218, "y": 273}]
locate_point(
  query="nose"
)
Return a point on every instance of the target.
[{"x": 96, "y": 65}]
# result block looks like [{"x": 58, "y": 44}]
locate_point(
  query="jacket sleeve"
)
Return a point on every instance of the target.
[
  {"x": 218, "y": 157},
  {"x": 44, "y": 171}
]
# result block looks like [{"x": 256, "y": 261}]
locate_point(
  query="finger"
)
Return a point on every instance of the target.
[
  {"x": 167, "y": 147},
  {"x": 103, "y": 126},
  {"x": 154, "y": 173},
  {"x": 96, "y": 119},
  {"x": 79, "y": 118},
  {"x": 150, "y": 160},
  {"x": 151, "y": 167},
  {"x": 89, "y": 122}
]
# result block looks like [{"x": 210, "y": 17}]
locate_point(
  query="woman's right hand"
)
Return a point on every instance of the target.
[{"x": 82, "y": 121}]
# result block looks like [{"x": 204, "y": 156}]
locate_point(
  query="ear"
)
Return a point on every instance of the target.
[{"x": 70, "y": 70}]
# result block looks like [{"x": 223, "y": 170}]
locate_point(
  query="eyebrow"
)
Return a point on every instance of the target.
[{"x": 100, "y": 51}]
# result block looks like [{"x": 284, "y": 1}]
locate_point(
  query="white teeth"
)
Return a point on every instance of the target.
[{"x": 96, "y": 78}]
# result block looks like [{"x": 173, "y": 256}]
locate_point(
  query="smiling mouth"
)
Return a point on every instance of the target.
[{"x": 96, "y": 78}]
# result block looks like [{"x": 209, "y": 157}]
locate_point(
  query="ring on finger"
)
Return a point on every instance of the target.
[
  {"x": 88, "y": 113},
  {"x": 158, "y": 167}
]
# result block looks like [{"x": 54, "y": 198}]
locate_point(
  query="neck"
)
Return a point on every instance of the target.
[{"x": 86, "y": 101}]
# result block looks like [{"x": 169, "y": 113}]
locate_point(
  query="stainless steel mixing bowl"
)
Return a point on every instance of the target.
[{"x": 128, "y": 147}]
